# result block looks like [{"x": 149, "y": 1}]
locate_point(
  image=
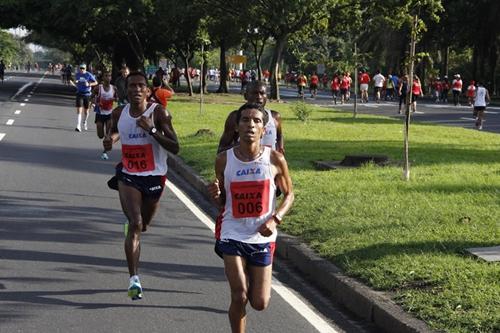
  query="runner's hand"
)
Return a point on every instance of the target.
[
  {"x": 146, "y": 123},
  {"x": 268, "y": 227},
  {"x": 214, "y": 189}
]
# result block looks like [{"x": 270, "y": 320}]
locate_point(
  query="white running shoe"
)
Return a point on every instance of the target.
[
  {"x": 85, "y": 126},
  {"x": 104, "y": 156},
  {"x": 135, "y": 288},
  {"x": 78, "y": 129}
]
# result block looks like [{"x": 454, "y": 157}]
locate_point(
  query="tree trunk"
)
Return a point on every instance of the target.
[
  {"x": 124, "y": 55},
  {"x": 475, "y": 61},
  {"x": 492, "y": 60},
  {"x": 406, "y": 144},
  {"x": 203, "y": 79},
  {"x": 446, "y": 60},
  {"x": 278, "y": 50},
  {"x": 187, "y": 76},
  {"x": 223, "y": 68}
]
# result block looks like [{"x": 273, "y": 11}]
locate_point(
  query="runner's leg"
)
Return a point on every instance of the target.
[
  {"x": 131, "y": 201},
  {"x": 234, "y": 268},
  {"x": 259, "y": 293},
  {"x": 148, "y": 210}
]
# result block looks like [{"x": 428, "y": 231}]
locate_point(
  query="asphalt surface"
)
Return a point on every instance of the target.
[{"x": 62, "y": 266}]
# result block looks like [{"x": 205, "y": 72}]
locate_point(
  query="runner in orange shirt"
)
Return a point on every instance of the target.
[{"x": 159, "y": 94}]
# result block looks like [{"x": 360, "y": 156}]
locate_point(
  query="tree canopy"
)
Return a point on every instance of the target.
[{"x": 139, "y": 31}]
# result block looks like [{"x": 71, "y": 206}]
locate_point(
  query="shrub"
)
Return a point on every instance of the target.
[{"x": 302, "y": 111}]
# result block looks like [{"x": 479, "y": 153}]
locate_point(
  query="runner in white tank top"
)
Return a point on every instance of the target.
[
  {"x": 103, "y": 108},
  {"x": 142, "y": 155},
  {"x": 146, "y": 133},
  {"x": 270, "y": 132},
  {"x": 481, "y": 98},
  {"x": 246, "y": 229},
  {"x": 252, "y": 200},
  {"x": 256, "y": 92}
]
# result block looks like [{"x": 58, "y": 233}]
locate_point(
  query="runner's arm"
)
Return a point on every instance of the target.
[
  {"x": 284, "y": 182},
  {"x": 227, "y": 139},
  {"x": 216, "y": 189},
  {"x": 280, "y": 141},
  {"x": 166, "y": 136},
  {"x": 112, "y": 134}
]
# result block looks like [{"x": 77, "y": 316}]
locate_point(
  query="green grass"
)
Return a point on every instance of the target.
[{"x": 406, "y": 238}]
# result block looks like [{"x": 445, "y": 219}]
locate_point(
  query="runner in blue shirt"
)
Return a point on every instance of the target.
[{"x": 84, "y": 81}]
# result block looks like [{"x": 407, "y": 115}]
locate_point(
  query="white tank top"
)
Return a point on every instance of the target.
[
  {"x": 106, "y": 99},
  {"x": 250, "y": 198},
  {"x": 142, "y": 155},
  {"x": 270, "y": 132},
  {"x": 480, "y": 99}
]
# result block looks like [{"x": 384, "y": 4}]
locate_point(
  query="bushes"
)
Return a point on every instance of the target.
[{"x": 302, "y": 111}]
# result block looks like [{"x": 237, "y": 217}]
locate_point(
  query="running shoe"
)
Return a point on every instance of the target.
[
  {"x": 78, "y": 129},
  {"x": 104, "y": 156},
  {"x": 85, "y": 126},
  {"x": 135, "y": 288}
]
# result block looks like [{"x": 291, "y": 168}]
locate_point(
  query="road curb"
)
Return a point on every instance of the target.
[{"x": 372, "y": 306}]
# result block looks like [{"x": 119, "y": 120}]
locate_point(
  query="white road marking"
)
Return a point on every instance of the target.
[
  {"x": 17, "y": 112},
  {"x": 9, "y": 122},
  {"x": 465, "y": 118},
  {"x": 2, "y": 135},
  {"x": 419, "y": 112},
  {"x": 303, "y": 309},
  {"x": 490, "y": 112},
  {"x": 20, "y": 91}
]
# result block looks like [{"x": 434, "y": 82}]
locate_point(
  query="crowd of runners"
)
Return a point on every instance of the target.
[
  {"x": 252, "y": 185},
  {"x": 394, "y": 87},
  {"x": 251, "y": 173}
]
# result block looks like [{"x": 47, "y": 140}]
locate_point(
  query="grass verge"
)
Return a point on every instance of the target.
[{"x": 406, "y": 238}]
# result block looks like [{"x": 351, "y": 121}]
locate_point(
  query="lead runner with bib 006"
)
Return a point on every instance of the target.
[{"x": 245, "y": 187}]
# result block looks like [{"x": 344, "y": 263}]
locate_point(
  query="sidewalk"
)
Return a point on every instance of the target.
[{"x": 370, "y": 305}]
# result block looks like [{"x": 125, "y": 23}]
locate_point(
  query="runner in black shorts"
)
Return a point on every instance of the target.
[{"x": 146, "y": 134}]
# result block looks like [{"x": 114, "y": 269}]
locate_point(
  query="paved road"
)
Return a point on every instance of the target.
[
  {"x": 62, "y": 266},
  {"x": 427, "y": 110}
]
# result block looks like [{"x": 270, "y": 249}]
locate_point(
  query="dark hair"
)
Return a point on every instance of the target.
[
  {"x": 254, "y": 85},
  {"x": 156, "y": 82},
  {"x": 247, "y": 106},
  {"x": 136, "y": 73}
]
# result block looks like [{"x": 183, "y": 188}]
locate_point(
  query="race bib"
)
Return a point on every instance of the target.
[
  {"x": 250, "y": 198},
  {"x": 106, "y": 104},
  {"x": 138, "y": 158}
]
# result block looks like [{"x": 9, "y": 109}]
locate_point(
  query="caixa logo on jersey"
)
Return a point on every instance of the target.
[
  {"x": 136, "y": 135},
  {"x": 248, "y": 171}
]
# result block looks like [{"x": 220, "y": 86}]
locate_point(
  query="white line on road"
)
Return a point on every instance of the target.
[
  {"x": 490, "y": 112},
  {"x": 2, "y": 135},
  {"x": 465, "y": 118},
  {"x": 9, "y": 122},
  {"x": 319, "y": 323},
  {"x": 20, "y": 90},
  {"x": 17, "y": 112}
]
